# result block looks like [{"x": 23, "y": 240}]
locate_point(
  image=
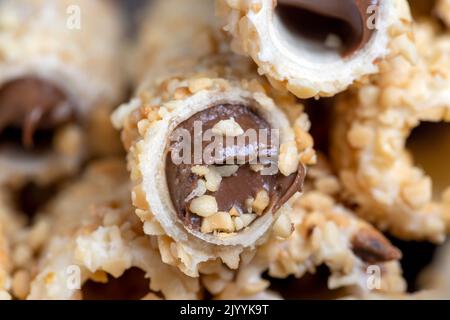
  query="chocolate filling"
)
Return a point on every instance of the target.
[
  {"x": 33, "y": 106},
  {"x": 317, "y": 19},
  {"x": 236, "y": 189}
]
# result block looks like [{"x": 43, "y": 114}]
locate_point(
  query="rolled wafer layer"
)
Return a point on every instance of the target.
[
  {"x": 95, "y": 237},
  {"x": 314, "y": 48},
  {"x": 215, "y": 207},
  {"x": 56, "y": 75},
  {"x": 372, "y": 126},
  {"x": 358, "y": 257}
]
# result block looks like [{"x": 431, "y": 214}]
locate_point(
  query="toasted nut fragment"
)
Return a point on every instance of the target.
[
  {"x": 249, "y": 204},
  {"x": 213, "y": 180},
  {"x": 256, "y": 167},
  {"x": 227, "y": 170},
  {"x": 283, "y": 227},
  {"x": 261, "y": 202},
  {"x": 289, "y": 159},
  {"x": 21, "y": 284},
  {"x": 248, "y": 218},
  {"x": 221, "y": 221},
  {"x": 204, "y": 206},
  {"x": 200, "y": 170},
  {"x": 234, "y": 212},
  {"x": 372, "y": 247},
  {"x": 229, "y": 128},
  {"x": 198, "y": 191}
]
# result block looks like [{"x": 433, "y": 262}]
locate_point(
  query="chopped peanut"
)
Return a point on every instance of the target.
[
  {"x": 229, "y": 128},
  {"x": 204, "y": 206},
  {"x": 221, "y": 221},
  {"x": 261, "y": 202}
]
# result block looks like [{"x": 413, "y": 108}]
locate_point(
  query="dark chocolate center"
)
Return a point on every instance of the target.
[
  {"x": 350, "y": 20},
  {"x": 236, "y": 189},
  {"x": 31, "y": 105}
]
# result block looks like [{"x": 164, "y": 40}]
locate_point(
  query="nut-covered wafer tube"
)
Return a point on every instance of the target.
[
  {"x": 95, "y": 238},
  {"x": 314, "y": 48},
  {"x": 58, "y": 72},
  {"x": 373, "y": 126},
  {"x": 325, "y": 233},
  {"x": 213, "y": 157}
]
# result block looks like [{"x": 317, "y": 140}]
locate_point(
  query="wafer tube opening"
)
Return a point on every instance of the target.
[
  {"x": 222, "y": 170},
  {"x": 429, "y": 144},
  {"x": 31, "y": 110},
  {"x": 325, "y": 27}
]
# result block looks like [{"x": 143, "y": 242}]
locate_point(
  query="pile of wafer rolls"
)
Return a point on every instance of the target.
[{"x": 224, "y": 149}]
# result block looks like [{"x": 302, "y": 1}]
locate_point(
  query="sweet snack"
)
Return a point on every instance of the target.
[
  {"x": 95, "y": 237},
  {"x": 58, "y": 83},
  {"x": 358, "y": 257},
  {"x": 372, "y": 126},
  {"x": 213, "y": 157},
  {"x": 266, "y": 149},
  {"x": 314, "y": 48}
]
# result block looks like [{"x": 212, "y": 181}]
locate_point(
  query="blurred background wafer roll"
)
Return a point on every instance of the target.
[
  {"x": 331, "y": 253},
  {"x": 95, "y": 247},
  {"x": 391, "y": 139},
  {"x": 314, "y": 48},
  {"x": 224, "y": 200},
  {"x": 60, "y": 76}
]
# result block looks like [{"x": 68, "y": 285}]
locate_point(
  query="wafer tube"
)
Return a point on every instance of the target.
[
  {"x": 372, "y": 126},
  {"x": 358, "y": 257},
  {"x": 58, "y": 69},
  {"x": 207, "y": 210},
  {"x": 314, "y": 48},
  {"x": 95, "y": 237}
]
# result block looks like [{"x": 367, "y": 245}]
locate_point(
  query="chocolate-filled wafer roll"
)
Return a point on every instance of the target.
[
  {"x": 59, "y": 68},
  {"x": 390, "y": 141},
  {"x": 357, "y": 256},
  {"x": 314, "y": 48},
  {"x": 213, "y": 157},
  {"x": 96, "y": 247}
]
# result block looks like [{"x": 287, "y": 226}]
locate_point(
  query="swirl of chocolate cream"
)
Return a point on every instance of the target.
[
  {"x": 33, "y": 104},
  {"x": 319, "y": 18},
  {"x": 234, "y": 191}
]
